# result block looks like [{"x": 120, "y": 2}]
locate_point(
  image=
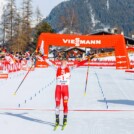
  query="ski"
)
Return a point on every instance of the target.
[
  {"x": 63, "y": 127},
  {"x": 56, "y": 127}
]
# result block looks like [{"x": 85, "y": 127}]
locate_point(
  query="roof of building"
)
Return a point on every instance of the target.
[
  {"x": 80, "y": 49},
  {"x": 127, "y": 39}
]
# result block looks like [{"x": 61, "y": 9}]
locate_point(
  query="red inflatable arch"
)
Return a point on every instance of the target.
[{"x": 90, "y": 41}]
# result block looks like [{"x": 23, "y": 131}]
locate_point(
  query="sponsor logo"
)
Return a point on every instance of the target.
[
  {"x": 3, "y": 75},
  {"x": 78, "y": 42}
]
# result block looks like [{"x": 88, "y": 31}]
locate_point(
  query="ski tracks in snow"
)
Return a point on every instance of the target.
[{"x": 104, "y": 97}]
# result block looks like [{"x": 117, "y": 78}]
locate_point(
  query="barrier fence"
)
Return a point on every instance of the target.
[
  {"x": 6, "y": 67},
  {"x": 24, "y": 64},
  {"x": 91, "y": 63}
]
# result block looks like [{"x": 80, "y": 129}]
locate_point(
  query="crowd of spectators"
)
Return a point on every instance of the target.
[{"x": 11, "y": 57}]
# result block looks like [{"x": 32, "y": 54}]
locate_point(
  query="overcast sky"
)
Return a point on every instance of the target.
[{"x": 45, "y": 6}]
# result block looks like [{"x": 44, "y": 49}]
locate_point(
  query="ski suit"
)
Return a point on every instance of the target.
[
  {"x": 62, "y": 83},
  {"x": 62, "y": 86}
]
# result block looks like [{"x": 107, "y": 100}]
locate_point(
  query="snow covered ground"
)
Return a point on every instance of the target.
[{"x": 108, "y": 107}]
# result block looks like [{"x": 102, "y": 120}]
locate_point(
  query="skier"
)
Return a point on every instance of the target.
[
  {"x": 61, "y": 92},
  {"x": 63, "y": 76}
]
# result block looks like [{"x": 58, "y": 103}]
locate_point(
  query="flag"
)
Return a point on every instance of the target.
[{"x": 41, "y": 49}]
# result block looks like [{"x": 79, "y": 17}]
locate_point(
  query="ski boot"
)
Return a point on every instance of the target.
[
  {"x": 56, "y": 123},
  {"x": 64, "y": 122}
]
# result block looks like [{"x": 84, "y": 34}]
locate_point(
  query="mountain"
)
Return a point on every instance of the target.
[{"x": 86, "y": 16}]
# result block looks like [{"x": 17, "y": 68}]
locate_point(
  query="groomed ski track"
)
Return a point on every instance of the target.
[{"x": 107, "y": 108}]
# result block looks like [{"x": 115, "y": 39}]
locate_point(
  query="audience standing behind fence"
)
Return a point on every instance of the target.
[
  {"x": 27, "y": 59},
  {"x": 10, "y": 61}
]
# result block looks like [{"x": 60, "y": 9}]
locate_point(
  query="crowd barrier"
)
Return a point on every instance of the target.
[
  {"x": 94, "y": 63},
  {"x": 6, "y": 67},
  {"x": 25, "y": 65},
  {"x": 42, "y": 64},
  {"x": 130, "y": 70}
]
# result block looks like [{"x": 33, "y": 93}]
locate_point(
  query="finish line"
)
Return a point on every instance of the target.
[{"x": 73, "y": 110}]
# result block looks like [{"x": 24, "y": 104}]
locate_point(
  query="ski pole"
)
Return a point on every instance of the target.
[
  {"x": 24, "y": 77},
  {"x": 90, "y": 58},
  {"x": 86, "y": 80}
]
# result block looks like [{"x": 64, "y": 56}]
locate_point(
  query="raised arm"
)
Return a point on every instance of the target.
[
  {"x": 89, "y": 58},
  {"x": 51, "y": 64}
]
